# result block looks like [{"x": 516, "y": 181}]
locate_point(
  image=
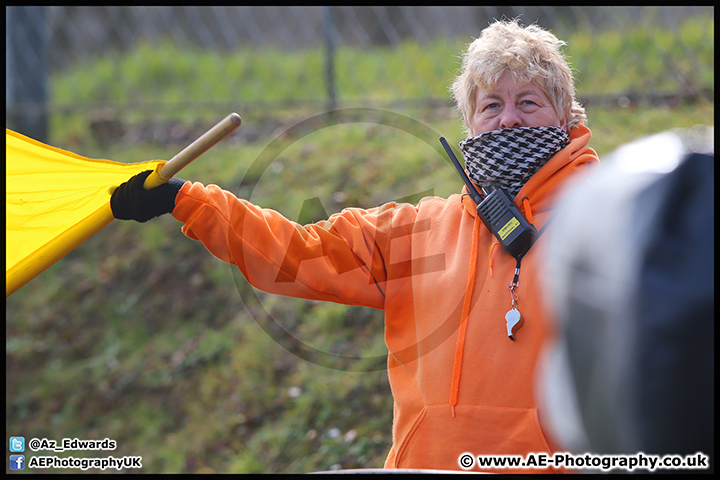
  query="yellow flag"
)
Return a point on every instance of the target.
[{"x": 55, "y": 200}]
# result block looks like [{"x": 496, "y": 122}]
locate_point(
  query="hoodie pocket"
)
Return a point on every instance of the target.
[{"x": 436, "y": 439}]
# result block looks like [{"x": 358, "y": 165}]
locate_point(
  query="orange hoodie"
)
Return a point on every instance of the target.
[{"x": 459, "y": 383}]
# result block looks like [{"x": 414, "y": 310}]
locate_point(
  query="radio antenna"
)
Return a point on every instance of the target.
[{"x": 471, "y": 188}]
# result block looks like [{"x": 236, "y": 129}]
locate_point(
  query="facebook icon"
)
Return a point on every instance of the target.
[{"x": 17, "y": 462}]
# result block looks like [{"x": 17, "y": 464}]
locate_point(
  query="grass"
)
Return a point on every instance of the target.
[
  {"x": 140, "y": 336},
  {"x": 187, "y": 84}
]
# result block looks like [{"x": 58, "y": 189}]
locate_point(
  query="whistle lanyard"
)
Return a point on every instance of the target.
[{"x": 513, "y": 318}]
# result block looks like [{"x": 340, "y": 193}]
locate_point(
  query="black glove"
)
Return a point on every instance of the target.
[{"x": 130, "y": 201}]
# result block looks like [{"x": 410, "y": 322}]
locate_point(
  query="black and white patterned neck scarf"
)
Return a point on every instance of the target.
[{"x": 509, "y": 157}]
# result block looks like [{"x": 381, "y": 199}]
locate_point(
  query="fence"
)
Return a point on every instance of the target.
[{"x": 658, "y": 53}]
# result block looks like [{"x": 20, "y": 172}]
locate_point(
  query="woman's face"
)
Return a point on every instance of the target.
[{"x": 513, "y": 105}]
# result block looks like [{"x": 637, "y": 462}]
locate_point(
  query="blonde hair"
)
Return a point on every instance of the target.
[{"x": 531, "y": 54}]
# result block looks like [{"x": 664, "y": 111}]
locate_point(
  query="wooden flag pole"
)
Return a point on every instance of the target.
[
  {"x": 168, "y": 170},
  {"x": 65, "y": 242}
]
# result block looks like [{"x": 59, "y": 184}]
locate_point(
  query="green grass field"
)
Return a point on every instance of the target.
[{"x": 139, "y": 335}]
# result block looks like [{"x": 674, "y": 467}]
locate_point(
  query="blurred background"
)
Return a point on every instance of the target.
[
  {"x": 129, "y": 65},
  {"x": 141, "y": 336}
]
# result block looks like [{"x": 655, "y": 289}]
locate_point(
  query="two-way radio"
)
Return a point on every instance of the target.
[{"x": 498, "y": 212}]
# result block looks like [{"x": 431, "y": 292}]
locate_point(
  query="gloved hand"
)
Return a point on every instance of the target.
[{"x": 130, "y": 201}]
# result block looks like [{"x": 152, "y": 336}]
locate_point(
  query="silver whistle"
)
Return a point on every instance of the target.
[{"x": 512, "y": 319}]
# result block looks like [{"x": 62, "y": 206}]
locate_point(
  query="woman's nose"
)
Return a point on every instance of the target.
[{"x": 510, "y": 118}]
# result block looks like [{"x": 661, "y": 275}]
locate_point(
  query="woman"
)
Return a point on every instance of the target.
[{"x": 461, "y": 377}]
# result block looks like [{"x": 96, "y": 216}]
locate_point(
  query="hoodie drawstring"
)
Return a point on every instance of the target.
[
  {"x": 490, "y": 257},
  {"x": 527, "y": 209},
  {"x": 460, "y": 347},
  {"x": 467, "y": 300}
]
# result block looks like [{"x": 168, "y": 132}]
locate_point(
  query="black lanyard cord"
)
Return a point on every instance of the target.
[{"x": 519, "y": 257}]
